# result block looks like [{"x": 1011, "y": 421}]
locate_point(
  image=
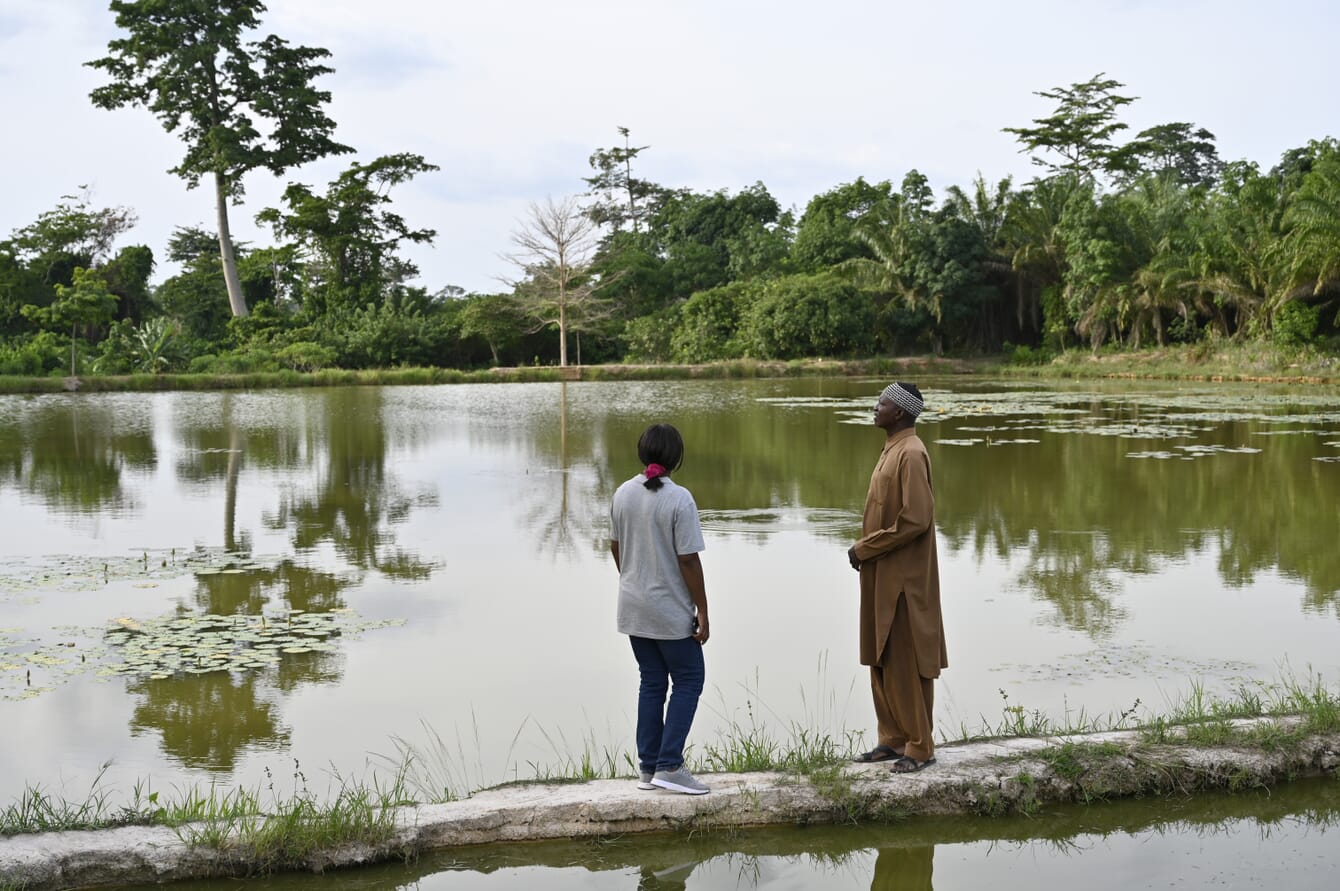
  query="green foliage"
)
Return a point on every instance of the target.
[
  {"x": 809, "y": 315},
  {"x": 622, "y": 200},
  {"x": 247, "y": 360},
  {"x": 36, "y": 355},
  {"x": 708, "y": 240},
  {"x": 385, "y": 336},
  {"x": 1118, "y": 245},
  {"x": 1026, "y": 355},
  {"x": 1245, "y": 259},
  {"x": 43, "y": 255},
  {"x": 710, "y": 322},
  {"x": 237, "y": 104},
  {"x": 1178, "y": 151},
  {"x": 215, "y": 106},
  {"x": 87, "y": 304},
  {"x": 127, "y": 276},
  {"x": 934, "y": 264},
  {"x": 493, "y": 318},
  {"x": 1080, "y": 130},
  {"x": 74, "y": 233},
  {"x": 826, "y": 234},
  {"x": 154, "y": 347},
  {"x": 1314, "y": 216},
  {"x": 347, "y": 239},
  {"x": 650, "y": 338},
  {"x": 1296, "y": 324},
  {"x": 197, "y": 296},
  {"x": 634, "y": 280},
  {"x": 305, "y": 356}
]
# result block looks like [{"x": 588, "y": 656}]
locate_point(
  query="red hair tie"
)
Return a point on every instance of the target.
[{"x": 654, "y": 470}]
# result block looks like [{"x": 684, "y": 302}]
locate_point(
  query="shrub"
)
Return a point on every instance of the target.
[
  {"x": 1023, "y": 354},
  {"x": 244, "y": 361},
  {"x": 305, "y": 356},
  {"x": 809, "y": 315},
  {"x": 386, "y": 336},
  {"x": 1296, "y": 324},
  {"x": 649, "y": 338},
  {"x": 35, "y": 356},
  {"x": 710, "y": 323}
]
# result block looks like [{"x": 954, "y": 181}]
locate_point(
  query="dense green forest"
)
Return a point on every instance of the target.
[{"x": 1120, "y": 241}]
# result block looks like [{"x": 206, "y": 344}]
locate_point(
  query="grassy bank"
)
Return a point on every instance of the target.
[
  {"x": 1207, "y": 361},
  {"x": 734, "y": 370},
  {"x": 1253, "y": 740},
  {"x": 1286, "y": 713},
  {"x": 1251, "y": 362}
]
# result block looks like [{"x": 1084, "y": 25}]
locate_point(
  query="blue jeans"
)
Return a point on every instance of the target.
[{"x": 662, "y": 730}]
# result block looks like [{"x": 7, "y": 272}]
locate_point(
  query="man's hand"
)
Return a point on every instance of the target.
[
  {"x": 855, "y": 560},
  {"x": 701, "y": 632}
]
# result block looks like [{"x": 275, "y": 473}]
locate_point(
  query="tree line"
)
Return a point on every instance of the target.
[{"x": 1118, "y": 242}]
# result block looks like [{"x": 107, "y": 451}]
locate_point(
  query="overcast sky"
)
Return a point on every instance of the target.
[{"x": 510, "y": 98}]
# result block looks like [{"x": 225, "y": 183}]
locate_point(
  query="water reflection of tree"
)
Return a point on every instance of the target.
[
  {"x": 356, "y": 502},
  {"x": 296, "y": 669},
  {"x": 1082, "y": 512},
  {"x": 214, "y": 451},
  {"x": 1072, "y": 574},
  {"x": 562, "y": 488},
  {"x": 247, "y": 591},
  {"x": 741, "y": 455},
  {"x": 71, "y": 455},
  {"x": 1072, "y": 508},
  {"x": 205, "y": 720}
]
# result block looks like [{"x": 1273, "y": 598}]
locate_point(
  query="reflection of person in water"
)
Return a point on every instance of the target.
[
  {"x": 655, "y": 538},
  {"x": 904, "y": 869},
  {"x": 671, "y": 878},
  {"x": 901, "y": 630}
]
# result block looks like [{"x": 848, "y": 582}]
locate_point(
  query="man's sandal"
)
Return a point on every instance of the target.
[
  {"x": 906, "y": 764},
  {"x": 878, "y": 753}
]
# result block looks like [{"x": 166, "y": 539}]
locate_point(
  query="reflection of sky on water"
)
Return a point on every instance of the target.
[{"x": 1074, "y": 576}]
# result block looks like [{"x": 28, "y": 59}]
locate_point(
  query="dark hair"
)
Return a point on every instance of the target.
[
  {"x": 660, "y": 444},
  {"x": 911, "y": 388}
]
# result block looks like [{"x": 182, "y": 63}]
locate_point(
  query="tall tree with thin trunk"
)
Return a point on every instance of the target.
[
  {"x": 555, "y": 244},
  {"x": 238, "y": 104}
]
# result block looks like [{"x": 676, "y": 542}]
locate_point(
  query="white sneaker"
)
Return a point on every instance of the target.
[
  {"x": 679, "y": 781},
  {"x": 644, "y": 782}
]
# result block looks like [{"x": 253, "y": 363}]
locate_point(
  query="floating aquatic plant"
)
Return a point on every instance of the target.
[{"x": 199, "y": 644}]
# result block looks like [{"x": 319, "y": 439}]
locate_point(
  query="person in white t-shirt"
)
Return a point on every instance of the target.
[{"x": 655, "y": 538}]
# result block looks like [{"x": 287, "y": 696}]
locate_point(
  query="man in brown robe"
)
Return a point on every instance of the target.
[{"x": 902, "y": 633}]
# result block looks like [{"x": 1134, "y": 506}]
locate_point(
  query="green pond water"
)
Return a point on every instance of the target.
[
  {"x": 1286, "y": 838},
  {"x": 277, "y": 587}
]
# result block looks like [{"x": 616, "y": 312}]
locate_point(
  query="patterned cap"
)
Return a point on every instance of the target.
[{"x": 908, "y": 400}]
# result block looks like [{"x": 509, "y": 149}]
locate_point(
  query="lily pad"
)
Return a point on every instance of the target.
[{"x": 208, "y": 642}]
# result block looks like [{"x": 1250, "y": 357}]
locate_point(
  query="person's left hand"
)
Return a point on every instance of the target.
[{"x": 855, "y": 560}]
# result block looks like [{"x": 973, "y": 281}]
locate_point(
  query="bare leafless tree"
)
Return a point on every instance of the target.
[{"x": 555, "y": 243}]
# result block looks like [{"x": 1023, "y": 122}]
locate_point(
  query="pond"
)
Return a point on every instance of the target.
[{"x": 280, "y": 588}]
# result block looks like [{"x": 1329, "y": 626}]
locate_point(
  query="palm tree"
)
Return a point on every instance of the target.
[
  {"x": 891, "y": 233},
  {"x": 1163, "y": 215},
  {"x": 1033, "y": 241},
  {"x": 1244, "y": 260},
  {"x": 1314, "y": 221}
]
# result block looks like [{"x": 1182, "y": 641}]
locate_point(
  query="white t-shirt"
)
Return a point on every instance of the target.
[{"x": 653, "y": 529}]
